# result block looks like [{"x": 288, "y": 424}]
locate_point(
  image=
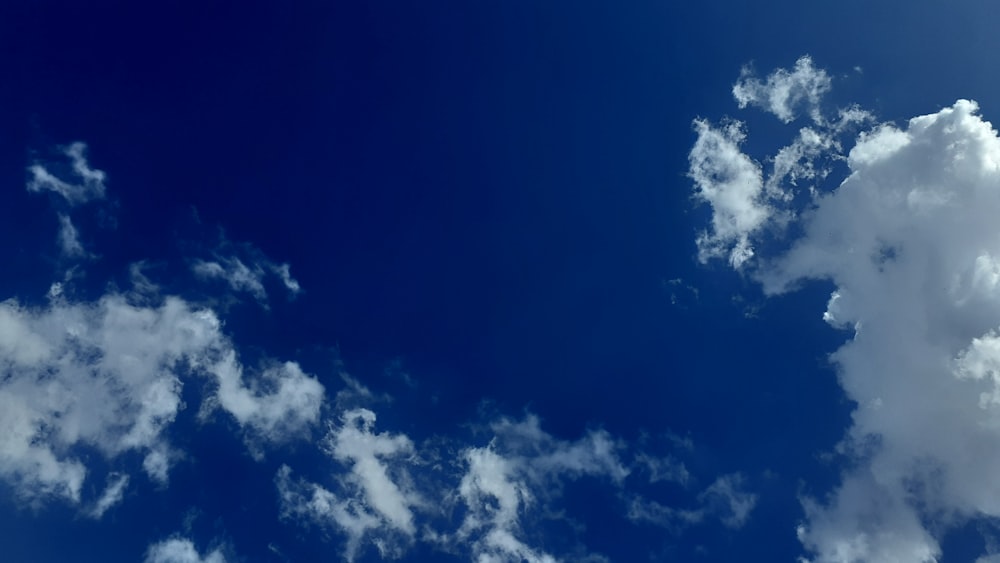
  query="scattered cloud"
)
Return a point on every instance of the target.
[
  {"x": 83, "y": 184},
  {"x": 910, "y": 241},
  {"x": 113, "y": 494},
  {"x": 732, "y": 184},
  {"x": 749, "y": 199},
  {"x": 785, "y": 91},
  {"x": 246, "y": 275},
  {"x": 107, "y": 375},
  {"x": 69, "y": 239},
  {"x": 391, "y": 492},
  {"x": 180, "y": 550},
  {"x": 278, "y": 403},
  {"x": 524, "y": 465},
  {"x": 374, "y": 501},
  {"x": 495, "y": 498},
  {"x": 76, "y": 183}
]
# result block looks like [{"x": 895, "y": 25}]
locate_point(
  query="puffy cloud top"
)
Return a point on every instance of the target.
[{"x": 911, "y": 241}]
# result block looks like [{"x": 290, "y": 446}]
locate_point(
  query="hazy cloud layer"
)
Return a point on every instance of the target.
[{"x": 911, "y": 242}]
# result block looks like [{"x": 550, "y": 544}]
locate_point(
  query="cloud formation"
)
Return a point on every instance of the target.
[
  {"x": 180, "y": 550},
  {"x": 374, "y": 500},
  {"x": 112, "y": 495},
  {"x": 107, "y": 375},
  {"x": 523, "y": 466},
  {"x": 86, "y": 183},
  {"x": 784, "y": 92},
  {"x": 751, "y": 199},
  {"x": 244, "y": 278},
  {"x": 391, "y": 493},
  {"x": 910, "y": 240},
  {"x": 732, "y": 184},
  {"x": 69, "y": 238}
]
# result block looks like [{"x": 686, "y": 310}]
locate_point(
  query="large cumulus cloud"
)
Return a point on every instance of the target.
[{"x": 911, "y": 241}]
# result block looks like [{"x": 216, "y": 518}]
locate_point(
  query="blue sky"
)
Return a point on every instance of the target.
[{"x": 499, "y": 281}]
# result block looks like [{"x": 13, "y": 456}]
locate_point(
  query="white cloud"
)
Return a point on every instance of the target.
[
  {"x": 785, "y": 91},
  {"x": 495, "y": 498},
  {"x": 69, "y": 238},
  {"x": 112, "y": 495},
  {"x": 797, "y": 162},
  {"x": 521, "y": 467},
  {"x": 540, "y": 456},
  {"x": 745, "y": 201},
  {"x": 86, "y": 184},
  {"x": 280, "y": 402},
  {"x": 98, "y": 374},
  {"x": 284, "y": 272},
  {"x": 180, "y": 550},
  {"x": 241, "y": 277},
  {"x": 355, "y": 443},
  {"x": 911, "y": 241},
  {"x": 235, "y": 273},
  {"x": 157, "y": 463},
  {"x": 108, "y": 374},
  {"x": 375, "y": 501},
  {"x": 391, "y": 493},
  {"x": 732, "y": 184}
]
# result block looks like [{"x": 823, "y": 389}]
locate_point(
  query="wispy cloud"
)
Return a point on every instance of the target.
[
  {"x": 244, "y": 269},
  {"x": 78, "y": 184},
  {"x": 69, "y": 238},
  {"x": 732, "y": 184},
  {"x": 395, "y": 492},
  {"x": 725, "y": 500},
  {"x": 112, "y": 495}
]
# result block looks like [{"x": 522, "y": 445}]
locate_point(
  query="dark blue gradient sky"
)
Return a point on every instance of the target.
[{"x": 485, "y": 204}]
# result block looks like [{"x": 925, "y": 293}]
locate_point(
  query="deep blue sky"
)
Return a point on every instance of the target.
[{"x": 491, "y": 196}]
